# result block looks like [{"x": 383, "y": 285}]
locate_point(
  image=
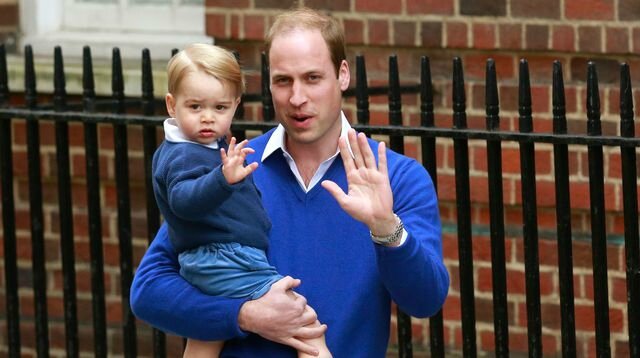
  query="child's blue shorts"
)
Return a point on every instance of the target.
[{"x": 229, "y": 270}]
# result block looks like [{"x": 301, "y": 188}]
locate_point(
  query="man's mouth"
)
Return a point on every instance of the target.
[{"x": 300, "y": 117}]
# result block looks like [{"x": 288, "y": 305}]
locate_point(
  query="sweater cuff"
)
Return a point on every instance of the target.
[
  {"x": 221, "y": 180},
  {"x": 233, "y": 317},
  {"x": 406, "y": 247}
]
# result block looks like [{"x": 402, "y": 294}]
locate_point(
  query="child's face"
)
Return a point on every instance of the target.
[{"x": 203, "y": 107}]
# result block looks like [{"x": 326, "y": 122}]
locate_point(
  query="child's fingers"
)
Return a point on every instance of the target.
[
  {"x": 239, "y": 173},
  {"x": 232, "y": 144},
  {"x": 246, "y": 151},
  {"x": 251, "y": 168},
  {"x": 223, "y": 154},
  {"x": 243, "y": 144}
]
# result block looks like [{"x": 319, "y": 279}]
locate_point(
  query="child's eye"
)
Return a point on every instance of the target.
[
  {"x": 221, "y": 107},
  {"x": 194, "y": 106}
]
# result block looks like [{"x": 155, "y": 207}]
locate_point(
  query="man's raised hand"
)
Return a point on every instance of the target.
[{"x": 369, "y": 198}]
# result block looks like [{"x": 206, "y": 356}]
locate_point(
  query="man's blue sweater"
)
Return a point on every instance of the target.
[
  {"x": 199, "y": 205},
  {"x": 346, "y": 278}
]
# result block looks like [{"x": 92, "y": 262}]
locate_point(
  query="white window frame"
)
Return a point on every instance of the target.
[{"x": 49, "y": 23}]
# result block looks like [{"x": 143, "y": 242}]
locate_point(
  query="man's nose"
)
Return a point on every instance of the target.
[{"x": 298, "y": 95}]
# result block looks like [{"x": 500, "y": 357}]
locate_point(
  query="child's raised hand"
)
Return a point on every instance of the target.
[{"x": 233, "y": 159}]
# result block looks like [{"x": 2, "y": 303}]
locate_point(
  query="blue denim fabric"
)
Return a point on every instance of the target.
[{"x": 229, "y": 270}]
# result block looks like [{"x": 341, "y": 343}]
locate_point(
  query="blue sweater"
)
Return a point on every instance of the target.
[
  {"x": 346, "y": 278},
  {"x": 199, "y": 205}
]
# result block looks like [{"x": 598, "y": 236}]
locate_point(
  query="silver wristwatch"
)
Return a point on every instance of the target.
[{"x": 392, "y": 238}]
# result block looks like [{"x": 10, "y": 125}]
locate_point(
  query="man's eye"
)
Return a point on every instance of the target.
[{"x": 281, "y": 81}]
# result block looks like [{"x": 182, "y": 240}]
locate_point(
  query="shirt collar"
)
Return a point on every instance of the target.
[
  {"x": 277, "y": 139},
  {"x": 172, "y": 133}
]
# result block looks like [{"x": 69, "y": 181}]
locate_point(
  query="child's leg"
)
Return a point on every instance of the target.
[
  {"x": 319, "y": 343},
  {"x": 202, "y": 349}
]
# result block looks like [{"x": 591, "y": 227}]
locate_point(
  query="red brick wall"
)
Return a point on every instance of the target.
[
  {"x": 8, "y": 18},
  {"x": 571, "y": 31}
]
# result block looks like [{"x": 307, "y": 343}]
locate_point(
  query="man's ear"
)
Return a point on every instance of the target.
[
  {"x": 344, "y": 76},
  {"x": 170, "y": 101}
]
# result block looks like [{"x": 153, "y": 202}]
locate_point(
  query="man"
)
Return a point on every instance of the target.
[{"x": 355, "y": 232}]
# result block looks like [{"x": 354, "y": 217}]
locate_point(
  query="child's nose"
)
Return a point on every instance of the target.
[{"x": 207, "y": 116}]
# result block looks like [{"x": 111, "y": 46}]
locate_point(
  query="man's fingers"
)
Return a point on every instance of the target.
[
  {"x": 355, "y": 148},
  {"x": 340, "y": 196},
  {"x": 310, "y": 331},
  {"x": 295, "y": 294},
  {"x": 286, "y": 283},
  {"x": 309, "y": 316},
  {"x": 367, "y": 154},
  {"x": 382, "y": 158},
  {"x": 315, "y": 330},
  {"x": 334, "y": 190},
  {"x": 345, "y": 154},
  {"x": 301, "y": 346}
]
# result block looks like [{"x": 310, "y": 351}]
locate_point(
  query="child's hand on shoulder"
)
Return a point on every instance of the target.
[{"x": 233, "y": 159}]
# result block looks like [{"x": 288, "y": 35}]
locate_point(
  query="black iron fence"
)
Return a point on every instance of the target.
[{"x": 122, "y": 113}]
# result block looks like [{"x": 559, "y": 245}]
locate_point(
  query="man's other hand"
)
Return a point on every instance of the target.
[{"x": 282, "y": 316}]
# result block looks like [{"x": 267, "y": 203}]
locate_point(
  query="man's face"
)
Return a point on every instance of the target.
[{"x": 307, "y": 94}]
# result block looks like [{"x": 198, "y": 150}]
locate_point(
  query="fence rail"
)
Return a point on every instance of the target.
[{"x": 121, "y": 116}]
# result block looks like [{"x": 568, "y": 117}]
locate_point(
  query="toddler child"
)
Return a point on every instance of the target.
[{"x": 205, "y": 191}]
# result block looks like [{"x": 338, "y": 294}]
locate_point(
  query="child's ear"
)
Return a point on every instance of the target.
[
  {"x": 170, "y": 101},
  {"x": 235, "y": 104}
]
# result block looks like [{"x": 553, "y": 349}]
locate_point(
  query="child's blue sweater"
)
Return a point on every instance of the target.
[
  {"x": 347, "y": 279},
  {"x": 199, "y": 205}
]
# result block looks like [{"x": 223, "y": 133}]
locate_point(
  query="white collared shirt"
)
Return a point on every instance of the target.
[{"x": 277, "y": 141}]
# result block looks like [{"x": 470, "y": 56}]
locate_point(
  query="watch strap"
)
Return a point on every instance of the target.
[{"x": 392, "y": 238}]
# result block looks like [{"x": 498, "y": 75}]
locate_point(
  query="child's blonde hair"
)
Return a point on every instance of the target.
[{"x": 213, "y": 60}]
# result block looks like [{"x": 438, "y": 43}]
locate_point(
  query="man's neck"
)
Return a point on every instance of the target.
[
  {"x": 309, "y": 156},
  {"x": 311, "y": 152}
]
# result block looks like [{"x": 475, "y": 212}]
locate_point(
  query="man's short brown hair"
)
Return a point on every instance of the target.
[{"x": 309, "y": 19}]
